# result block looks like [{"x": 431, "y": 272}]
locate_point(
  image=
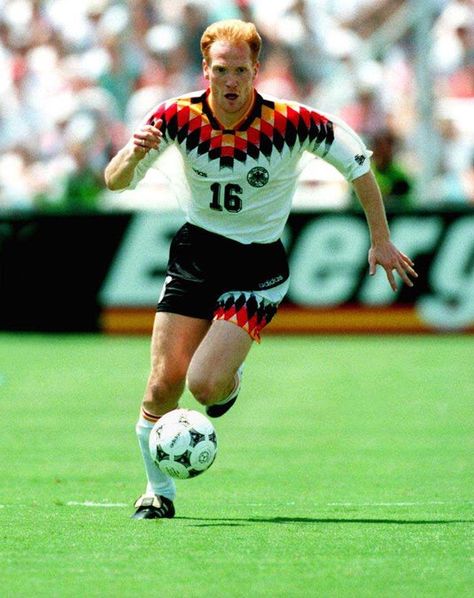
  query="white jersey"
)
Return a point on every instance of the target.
[{"x": 241, "y": 181}]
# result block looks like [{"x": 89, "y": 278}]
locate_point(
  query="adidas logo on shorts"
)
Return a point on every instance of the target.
[{"x": 271, "y": 282}]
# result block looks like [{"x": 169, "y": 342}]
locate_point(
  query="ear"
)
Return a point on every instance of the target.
[
  {"x": 256, "y": 68},
  {"x": 205, "y": 69}
]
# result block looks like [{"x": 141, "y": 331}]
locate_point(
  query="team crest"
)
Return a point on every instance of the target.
[{"x": 258, "y": 176}]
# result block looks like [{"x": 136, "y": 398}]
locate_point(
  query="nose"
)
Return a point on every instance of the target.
[{"x": 231, "y": 82}]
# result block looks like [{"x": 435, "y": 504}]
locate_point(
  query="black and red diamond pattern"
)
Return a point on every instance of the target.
[
  {"x": 271, "y": 125},
  {"x": 245, "y": 310}
]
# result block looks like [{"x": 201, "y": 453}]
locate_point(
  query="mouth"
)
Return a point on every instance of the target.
[{"x": 231, "y": 96}]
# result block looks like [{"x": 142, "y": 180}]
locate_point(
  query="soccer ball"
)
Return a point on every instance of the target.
[{"x": 183, "y": 443}]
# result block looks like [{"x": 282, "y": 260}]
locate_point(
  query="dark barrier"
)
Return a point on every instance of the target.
[
  {"x": 52, "y": 269},
  {"x": 84, "y": 273}
]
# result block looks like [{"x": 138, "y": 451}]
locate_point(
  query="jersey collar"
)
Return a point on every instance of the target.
[{"x": 243, "y": 124}]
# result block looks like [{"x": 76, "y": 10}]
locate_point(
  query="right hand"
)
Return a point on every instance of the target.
[{"x": 146, "y": 138}]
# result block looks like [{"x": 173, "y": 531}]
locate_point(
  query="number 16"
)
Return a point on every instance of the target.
[{"x": 232, "y": 201}]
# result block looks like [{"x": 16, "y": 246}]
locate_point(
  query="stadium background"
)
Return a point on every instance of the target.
[{"x": 77, "y": 77}]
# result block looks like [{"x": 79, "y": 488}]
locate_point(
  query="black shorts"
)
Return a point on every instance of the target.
[{"x": 206, "y": 270}]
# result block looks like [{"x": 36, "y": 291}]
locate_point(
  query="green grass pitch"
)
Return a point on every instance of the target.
[{"x": 345, "y": 469}]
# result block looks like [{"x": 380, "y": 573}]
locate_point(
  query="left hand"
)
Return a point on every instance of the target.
[{"x": 390, "y": 258}]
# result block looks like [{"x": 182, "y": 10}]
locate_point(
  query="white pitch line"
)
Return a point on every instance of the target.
[
  {"x": 398, "y": 504},
  {"x": 377, "y": 504},
  {"x": 89, "y": 503}
]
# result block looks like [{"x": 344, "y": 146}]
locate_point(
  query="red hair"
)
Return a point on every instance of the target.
[{"x": 232, "y": 30}]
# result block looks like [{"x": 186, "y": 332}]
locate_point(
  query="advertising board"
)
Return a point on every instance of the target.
[{"x": 105, "y": 272}]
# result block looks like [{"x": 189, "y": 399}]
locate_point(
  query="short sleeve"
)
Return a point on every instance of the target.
[{"x": 346, "y": 151}]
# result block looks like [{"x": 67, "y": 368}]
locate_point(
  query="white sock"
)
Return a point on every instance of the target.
[
  {"x": 236, "y": 388},
  {"x": 158, "y": 482}
]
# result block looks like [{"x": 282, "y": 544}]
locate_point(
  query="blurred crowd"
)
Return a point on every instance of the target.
[{"x": 78, "y": 76}]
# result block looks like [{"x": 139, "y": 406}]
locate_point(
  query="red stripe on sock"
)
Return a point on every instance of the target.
[{"x": 149, "y": 416}]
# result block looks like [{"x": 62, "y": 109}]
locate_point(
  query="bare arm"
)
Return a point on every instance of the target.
[
  {"x": 382, "y": 251},
  {"x": 120, "y": 170}
]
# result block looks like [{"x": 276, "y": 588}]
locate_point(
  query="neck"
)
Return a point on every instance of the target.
[{"x": 230, "y": 120}]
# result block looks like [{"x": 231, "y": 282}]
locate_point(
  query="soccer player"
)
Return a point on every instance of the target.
[{"x": 227, "y": 269}]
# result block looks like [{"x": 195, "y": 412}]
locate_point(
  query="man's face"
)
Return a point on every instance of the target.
[{"x": 231, "y": 74}]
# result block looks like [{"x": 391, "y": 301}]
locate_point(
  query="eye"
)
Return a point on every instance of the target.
[
  {"x": 219, "y": 69},
  {"x": 241, "y": 70}
]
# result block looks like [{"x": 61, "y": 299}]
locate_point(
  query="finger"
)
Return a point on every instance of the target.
[
  {"x": 140, "y": 148},
  {"x": 155, "y": 140},
  {"x": 145, "y": 142},
  {"x": 403, "y": 275},
  {"x": 391, "y": 279},
  {"x": 147, "y": 139},
  {"x": 411, "y": 272},
  {"x": 372, "y": 264},
  {"x": 407, "y": 265},
  {"x": 407, "y": 259},
  {"x": 148, "y": 132},
  {"x": 139, "y": 140},
  {"x": 154, "y": 130}
]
